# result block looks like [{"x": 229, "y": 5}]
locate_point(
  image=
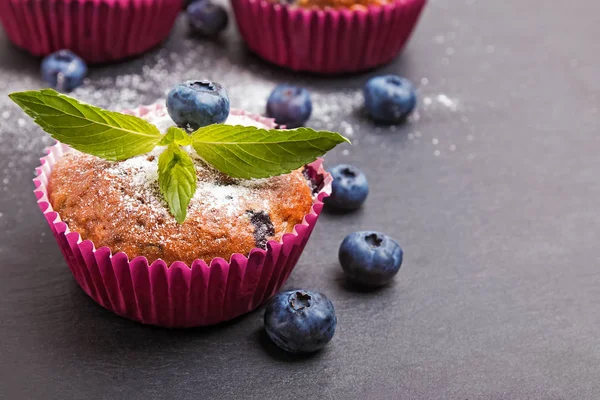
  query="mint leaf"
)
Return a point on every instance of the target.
[
  {"x": 177, "y": 180},
  {"x": 106, "y": 134},
  {"x": 249, "y": 152},
  {"x": 177, "y": 136}
]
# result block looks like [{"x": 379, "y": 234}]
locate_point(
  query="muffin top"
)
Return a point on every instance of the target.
[
  {"x": 119, "y": 205},
  {"x": 349, "y": 4}
]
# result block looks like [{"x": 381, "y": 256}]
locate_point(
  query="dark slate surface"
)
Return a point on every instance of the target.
[{"x": 493, "y": 197}]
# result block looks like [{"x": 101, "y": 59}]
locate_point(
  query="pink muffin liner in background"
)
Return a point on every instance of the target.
[
  {"x": 178, "y": 296},
  {"x": 326, "y": 40},
  {"x": 96, "y": 30}
]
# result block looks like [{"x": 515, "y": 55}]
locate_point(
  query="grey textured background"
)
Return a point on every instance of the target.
[{"x": 493, "y": 193}]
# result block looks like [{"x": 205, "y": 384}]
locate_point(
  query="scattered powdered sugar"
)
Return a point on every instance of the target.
[
  {"x": 442, "y": 100},
  {"x": 20, "y": 139},
  {"x": 337, "y": 110}
]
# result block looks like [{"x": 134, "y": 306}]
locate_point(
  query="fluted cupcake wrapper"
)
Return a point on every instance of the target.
[
  {"x": 178, "y": 295},
  {"x": 329, "y": 40},
  {"x": 96, "y": 30}
]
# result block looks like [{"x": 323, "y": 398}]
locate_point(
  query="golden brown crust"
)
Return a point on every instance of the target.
[{"x": 114, "y": 205}]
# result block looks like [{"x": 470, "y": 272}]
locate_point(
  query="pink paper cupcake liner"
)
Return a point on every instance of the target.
[
  {"x": 328, "y": 40},
  {"x": 178, "y": 295},
  {"x": 96, "y": 30}
]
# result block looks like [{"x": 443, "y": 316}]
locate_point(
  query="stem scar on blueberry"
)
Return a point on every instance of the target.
[
  {"x": 394, "y": 80},
  {"x": 292, "y": 92},
  {"x": 373, "y": 240},
  {"x": 348, "y": 172},
  {"x": 300, "y": 300},
  {"x": 202, "y": 84}
]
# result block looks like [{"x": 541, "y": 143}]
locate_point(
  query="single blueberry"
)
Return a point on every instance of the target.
[
  {"x": 370, "y": 258},
  {"x": 194, "y": 104},
  {"x": 206, "y": 17},
  {"x": 299, "y": 321},
  {"x": 289, "y": 105},
  {"x": 349, "y": 189},
  {"x": 63, "y": 70},
  {"x": 389, "y": 99}
]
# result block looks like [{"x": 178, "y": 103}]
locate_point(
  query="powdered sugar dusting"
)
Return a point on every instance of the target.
[
  {"x": 142, "y": 170},
  {"x": 220, "y": 197},
  {"x": 141, "y": 174}
]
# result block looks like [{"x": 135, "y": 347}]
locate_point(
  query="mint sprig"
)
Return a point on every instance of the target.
[
  {"x": 249, "y": 152},
  {"x": 177, "y": 180},
  {"x": 238, "y": 151},
  {"x": 92, "y": 130},
  {"x": 177, "y": 136}
]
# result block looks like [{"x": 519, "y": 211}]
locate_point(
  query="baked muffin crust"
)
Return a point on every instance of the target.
[{"x": 119, "y": 205}]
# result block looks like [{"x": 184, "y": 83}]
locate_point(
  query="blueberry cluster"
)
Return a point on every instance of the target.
[{"x": 302, "y": 321}]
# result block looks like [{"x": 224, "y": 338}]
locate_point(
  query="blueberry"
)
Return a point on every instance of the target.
[
  {"x": 194, "y": 104},
  {"x": 349, "y": 189},
  {"x": 299, "y": 321},
  {"x": 63, "y": 70},
  {"x": 390, "y": 98},
  {"x": 206, "y": 18},
  {"x": 289, "y": 105},
  {"x": 370, "y": 258},
  {"x": 263, "y": 227}
]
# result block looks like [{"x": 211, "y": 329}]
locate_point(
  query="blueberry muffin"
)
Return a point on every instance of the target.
[
  {"x": 119, "y": 205},
  {"x": 177, "y": 226}
]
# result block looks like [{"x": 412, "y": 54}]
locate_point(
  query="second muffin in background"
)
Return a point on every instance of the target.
[{"x": 327, "y": 40}]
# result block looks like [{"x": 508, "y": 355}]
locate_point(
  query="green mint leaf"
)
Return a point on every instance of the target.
[
  {"x": 92, "y": 130},
  {"x": 177, "y": 180},
  {"x": 177, "y": 136},
  {"x": 249, "y": 152}
]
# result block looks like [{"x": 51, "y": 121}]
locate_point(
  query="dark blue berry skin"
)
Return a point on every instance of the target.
[
  {"x": 289, "y": 105},
  {"x": 63, "y": 70},
  {"x": 194, "y": 104},
  {"x": 299, "y": 321},
  {"x": 389, "y": 99},
  {"x": 349, "y": 189},
  {"x": 207, "y": 18},
  {"x": 370, "y": 258}
]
